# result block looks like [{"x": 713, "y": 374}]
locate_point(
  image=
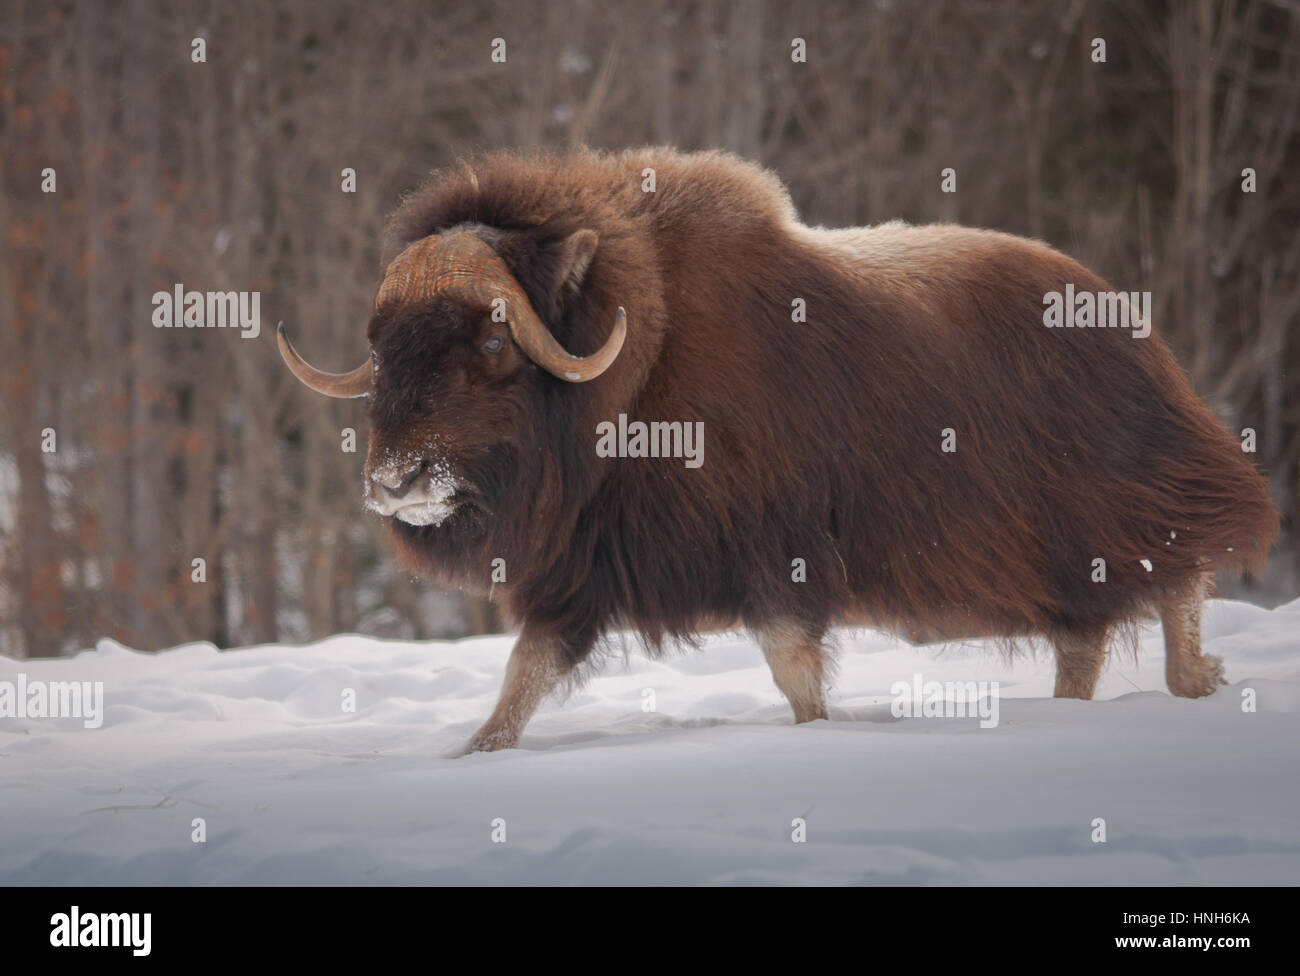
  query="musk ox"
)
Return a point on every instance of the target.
[{"x": 895, "y": 432}]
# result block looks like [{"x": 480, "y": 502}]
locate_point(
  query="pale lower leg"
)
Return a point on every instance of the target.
[
  {"x": 1080, "y": 655},
  {"x": 1188, "y": 672},
  {"x": 799, "y": 667},
  {"x": 538, "y": 663}
]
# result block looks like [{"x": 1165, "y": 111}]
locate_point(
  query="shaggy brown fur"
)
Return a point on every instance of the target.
[{"x": 822, "y": 438}]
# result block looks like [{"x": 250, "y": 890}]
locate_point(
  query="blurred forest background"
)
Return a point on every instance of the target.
[{"x": 174, "y": 444}]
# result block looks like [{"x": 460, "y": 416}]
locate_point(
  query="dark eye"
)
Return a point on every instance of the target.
[{"x": 494, "y": 344}]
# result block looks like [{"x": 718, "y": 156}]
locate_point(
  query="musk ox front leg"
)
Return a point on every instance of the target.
[
  {"x": 538, "y": 663},
  {"x": 799, "y": 665},
  {"x": 1188, "y": 672}
]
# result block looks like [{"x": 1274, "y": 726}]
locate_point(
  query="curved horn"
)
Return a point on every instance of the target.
[
  {"x": 342, "y": 385},
  {"x": 463, "y": 263},
  {"x": 531, "y": 333},
  {"x": 540, "y": 346}
]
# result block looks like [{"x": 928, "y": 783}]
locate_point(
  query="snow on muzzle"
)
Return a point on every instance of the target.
[{"x": 415, "y": 491}]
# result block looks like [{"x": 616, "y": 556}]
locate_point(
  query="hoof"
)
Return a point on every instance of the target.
[
  {"x": 1203, "y": 679},
  {"x": 482, "y": 741}
]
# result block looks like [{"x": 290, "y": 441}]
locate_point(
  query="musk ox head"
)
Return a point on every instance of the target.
[{"x": 455, "y": 377}]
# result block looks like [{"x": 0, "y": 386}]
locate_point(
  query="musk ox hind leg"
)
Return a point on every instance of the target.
[
  {"x": 1080, "y": 654},
  {"x": 799, "y": 666},
  {"x": 1188, "y": 672},
  {"x": 538, "y": 663}
]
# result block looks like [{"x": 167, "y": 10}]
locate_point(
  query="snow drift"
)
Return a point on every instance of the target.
[{"x": 704, "y": 788}]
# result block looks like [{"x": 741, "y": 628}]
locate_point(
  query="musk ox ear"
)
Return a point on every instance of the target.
[{"x": 576, "y": 252}]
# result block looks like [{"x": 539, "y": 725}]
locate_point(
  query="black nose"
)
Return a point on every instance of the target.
[{"x": 395, "y": 484}]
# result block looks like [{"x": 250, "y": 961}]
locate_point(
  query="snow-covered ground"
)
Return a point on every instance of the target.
[{"x": 703, "y": 789}]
